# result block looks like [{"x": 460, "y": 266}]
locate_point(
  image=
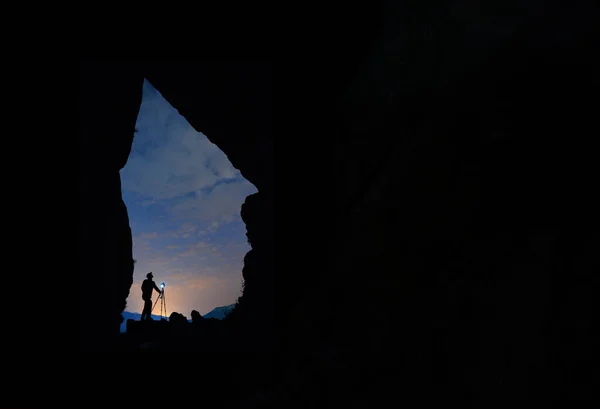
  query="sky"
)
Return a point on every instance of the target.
[{"x": 184, "y": 199}]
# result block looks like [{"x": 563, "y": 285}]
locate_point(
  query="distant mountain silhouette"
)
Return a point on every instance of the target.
[{"x": 218, "y": 313}]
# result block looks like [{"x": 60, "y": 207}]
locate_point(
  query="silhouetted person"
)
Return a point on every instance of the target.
[{"x": 147, "y": 286}]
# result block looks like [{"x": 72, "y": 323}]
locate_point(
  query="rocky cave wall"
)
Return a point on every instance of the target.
[
  {"x": 460, "y": 260},
  {"x": 109, "y": 98}
]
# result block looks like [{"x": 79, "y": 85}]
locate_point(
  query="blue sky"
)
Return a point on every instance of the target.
[{"x": 183, "y": 198}]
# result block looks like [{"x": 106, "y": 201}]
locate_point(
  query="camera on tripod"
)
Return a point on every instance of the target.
[{"x": 163, "y": 301}]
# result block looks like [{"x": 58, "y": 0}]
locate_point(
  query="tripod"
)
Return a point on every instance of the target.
[{"x": 163, "y": 303}]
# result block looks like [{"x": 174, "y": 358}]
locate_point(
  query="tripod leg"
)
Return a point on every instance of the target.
[{"x": 153, "y": 306}]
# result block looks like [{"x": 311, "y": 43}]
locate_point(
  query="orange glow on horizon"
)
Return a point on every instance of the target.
[{"x": 187, "y": 293}]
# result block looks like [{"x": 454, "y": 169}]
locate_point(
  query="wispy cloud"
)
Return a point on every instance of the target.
[{"x": 169, "y": 159}]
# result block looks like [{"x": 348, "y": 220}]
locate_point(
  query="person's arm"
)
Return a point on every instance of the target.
[{"x": 157, "y": 289}]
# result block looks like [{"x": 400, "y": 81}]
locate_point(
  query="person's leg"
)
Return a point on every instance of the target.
[{"x": 147, "y": 309}]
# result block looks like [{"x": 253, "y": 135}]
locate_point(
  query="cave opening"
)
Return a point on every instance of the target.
[
  {"x": 183, "y": 198},
  {"x": 230, "y": 103}
]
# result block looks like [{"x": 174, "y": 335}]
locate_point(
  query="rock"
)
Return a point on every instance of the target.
[
  {"x": 177, "y": 319},
  {"x": 196, "y": 317}
]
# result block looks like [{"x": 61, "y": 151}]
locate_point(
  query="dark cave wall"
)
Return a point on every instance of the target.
[
  {"x": 257, "y": 301},
  {"x": 109, "y": 98},
  {"x": 463, "y": 208}
]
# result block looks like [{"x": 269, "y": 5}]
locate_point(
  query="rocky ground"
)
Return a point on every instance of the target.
[{"x": 206, "y": 362}]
